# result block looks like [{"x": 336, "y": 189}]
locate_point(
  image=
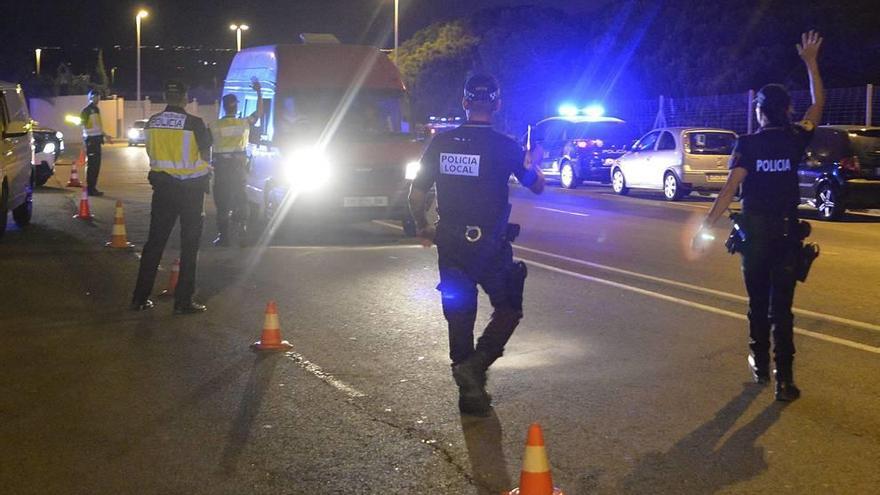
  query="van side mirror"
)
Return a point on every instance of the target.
[{"x": 16, "y": 129}]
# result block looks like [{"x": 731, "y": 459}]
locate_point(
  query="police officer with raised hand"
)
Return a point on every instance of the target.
[
  {"x": 230, "y": 135},
  {"x": 93, "y": 138},
  {"x": 765, "y": 165},
  {"x": 179, "y": 147},
  {"x": 471, "y": 166}
]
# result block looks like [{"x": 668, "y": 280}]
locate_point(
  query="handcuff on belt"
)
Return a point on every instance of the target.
[{"x": 473, "y": 233}]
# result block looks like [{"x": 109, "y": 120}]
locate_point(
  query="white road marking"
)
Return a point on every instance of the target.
[
  {"x": 562, "y": 211},
  {"x": 316, "y": 370},
  {"x": 726, "y": 295},
  {"x": 388, "y": 224},
  {"x": 685, "y": 302}
]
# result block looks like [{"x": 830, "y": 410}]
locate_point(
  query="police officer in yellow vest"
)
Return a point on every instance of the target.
[
  {"x": 179, "y": 147},
  {"x": 93, "y": 138},
  {"x": 230, "y": 135}
]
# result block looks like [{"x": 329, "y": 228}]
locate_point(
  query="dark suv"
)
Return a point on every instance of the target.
[
  {"x": 581, "y": 148},
  {"x": 841, "y": 170}
]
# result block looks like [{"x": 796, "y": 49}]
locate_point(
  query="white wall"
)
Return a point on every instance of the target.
[
  {"x": 50, "y": 112},
  {"x": 134, "y": 111}
]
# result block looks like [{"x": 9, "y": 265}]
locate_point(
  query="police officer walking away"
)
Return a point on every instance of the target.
[
  {"x": 471, "y": 166},
  {"x": 765, "y": 164},
  {"x": 230, "y": 135},
  {"x": 179, "y": 147},
  {"x": 93, "y": 138}
]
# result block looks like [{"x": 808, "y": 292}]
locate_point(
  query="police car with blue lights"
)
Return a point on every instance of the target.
[{"x": 581, "y": 144}]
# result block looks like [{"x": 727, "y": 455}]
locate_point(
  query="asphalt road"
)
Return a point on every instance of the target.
[{"x": 632, "y": 357}]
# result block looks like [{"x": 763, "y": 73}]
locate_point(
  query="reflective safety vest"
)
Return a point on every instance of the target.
[
  {"x": 172, "y": 146},
  {"x": 230, "y": 134},
  {"x": 91, "y": 122}
]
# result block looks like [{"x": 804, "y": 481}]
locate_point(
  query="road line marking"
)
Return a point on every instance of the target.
[
  {"x": 316, "y": 370},
  {"x": 562, "y": 211},
  {"x": 695, "y": 305},
  {"x": 349, "y": 248},
  {"x": 388, "y": 224},
  {"x": 726, "y": 295}
]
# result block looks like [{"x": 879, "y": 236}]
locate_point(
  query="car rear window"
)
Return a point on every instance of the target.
[
  {"x": 710, "y": 143},
  {"x": 611, "y": 133},
  {"x": 829, "y": 144},
  {"x": 139, "y": 124}
]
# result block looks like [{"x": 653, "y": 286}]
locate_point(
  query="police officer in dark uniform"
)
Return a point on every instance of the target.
[
  {"x": 765, "y": 164},
  {"x": 471, "y": 166},
  {"x": 179, "y": 147}
]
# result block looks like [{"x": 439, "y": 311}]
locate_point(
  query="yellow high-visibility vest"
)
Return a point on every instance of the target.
[
  {"x": 91, "y": 122},
  {"x": 230, "y": 134},
  {"x": 172, "y": 146}
]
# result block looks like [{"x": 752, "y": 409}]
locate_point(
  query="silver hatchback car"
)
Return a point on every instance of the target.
[{"x": 675, "y": 160}]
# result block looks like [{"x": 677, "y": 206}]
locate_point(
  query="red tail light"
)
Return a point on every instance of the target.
[
  {"x": 586, "y": 143},
  {"x": 851, "y": 164}
]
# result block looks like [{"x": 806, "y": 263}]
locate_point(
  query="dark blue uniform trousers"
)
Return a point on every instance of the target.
[{"x": 464, "y": 265}]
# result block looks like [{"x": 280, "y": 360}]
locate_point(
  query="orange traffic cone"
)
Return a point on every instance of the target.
[
  {"x": 271, "y": 338},
  {"x": 85, "y": 213},
  {"x": 118, "y": 238},
  {"x": 172, "y": 280},
  {"x": 74, "y": 169},
  {"x": 535, "y": 477}
]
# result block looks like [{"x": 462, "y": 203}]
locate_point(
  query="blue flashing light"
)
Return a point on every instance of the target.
[
  {"x": 568, "y": 110},
  {"x": 594, "y": 111}
]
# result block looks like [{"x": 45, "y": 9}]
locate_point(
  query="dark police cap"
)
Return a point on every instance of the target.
[
  {"x": 175, "y": 88},
  {"x": 773, "y": 96},
  {"x": 481, "y": 87}
]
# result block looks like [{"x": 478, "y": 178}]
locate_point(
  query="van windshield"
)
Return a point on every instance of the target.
[{"x": 309, "y": 114}]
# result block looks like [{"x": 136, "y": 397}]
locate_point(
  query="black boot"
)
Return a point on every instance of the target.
[
  {"x": 786, "y": 390},
  {"x": 470, "y": 376},
  {"x": 760, "y": 368}
]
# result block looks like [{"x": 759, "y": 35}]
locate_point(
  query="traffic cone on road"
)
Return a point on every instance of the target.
[
  {"x": 118, "y": 238},
  {"x": 535, "y": 476},
  {"x": 85, "y": 213},
  {"x": 172, "y": 280},
  {"x": 74, "y": 169},
  {"x": 271, "y": 338}
]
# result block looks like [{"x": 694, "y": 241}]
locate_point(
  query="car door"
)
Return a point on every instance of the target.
[
  {"x": 17, "y": 153},
  {"x": 552, "y": 133},
  {"x": 636, "y": 164},
  {"x": 665, "y": 157}
]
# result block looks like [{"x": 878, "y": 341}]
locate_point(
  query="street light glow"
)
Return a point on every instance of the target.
[
  {"x": 238, "y": 28},
  {"x": 142, "y": 13}
]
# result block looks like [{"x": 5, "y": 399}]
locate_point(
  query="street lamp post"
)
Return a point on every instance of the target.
[
  {"x": 396, "y": 16},
  {"x": 38, "y": 52},
  {"x": 238, "y": 28},
  {"x": 113, "y": 76},
  {"x": 137, "y": 20}
]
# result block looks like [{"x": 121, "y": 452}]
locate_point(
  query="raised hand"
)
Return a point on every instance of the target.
[{"x": 808, "y": 48}]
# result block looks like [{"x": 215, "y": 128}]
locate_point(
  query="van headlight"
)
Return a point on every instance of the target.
[
  {"x": 49, "y": 148},
  {"x": 307, "y": 169},
  {"x": 132, "y": 133},
  {"x": 412, "y": 170}
]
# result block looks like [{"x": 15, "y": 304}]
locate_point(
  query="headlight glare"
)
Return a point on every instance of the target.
[
  {"x": 412, "y": 170},
  {"x": 307, "y": 169},
  {"x": 49, "y": 148},
  {"x": 59, "y": 135},
  {"x": 132, "y": 133}
]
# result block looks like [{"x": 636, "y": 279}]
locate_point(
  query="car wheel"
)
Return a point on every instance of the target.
[
  {"x": 4, "y": 208},
  {"x": 828, "y": 203},
  {"x": 23, "y": 212},
  {"x": 567, "y": 177},
  {"x": 672, "y": 189},
  {"x": 618, "y": 182}
]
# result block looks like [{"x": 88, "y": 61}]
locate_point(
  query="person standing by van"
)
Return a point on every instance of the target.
[
  {"x": 765, "y": 164},
  {"x": 93, "y": 138},
  {"x": 230, "y": 135},
  {"x": 179, "y": 146}
]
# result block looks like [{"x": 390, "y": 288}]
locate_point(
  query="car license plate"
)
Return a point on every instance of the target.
[
  {"x": 364, "y": 201},
  {"x": 716, "y": 178}
]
